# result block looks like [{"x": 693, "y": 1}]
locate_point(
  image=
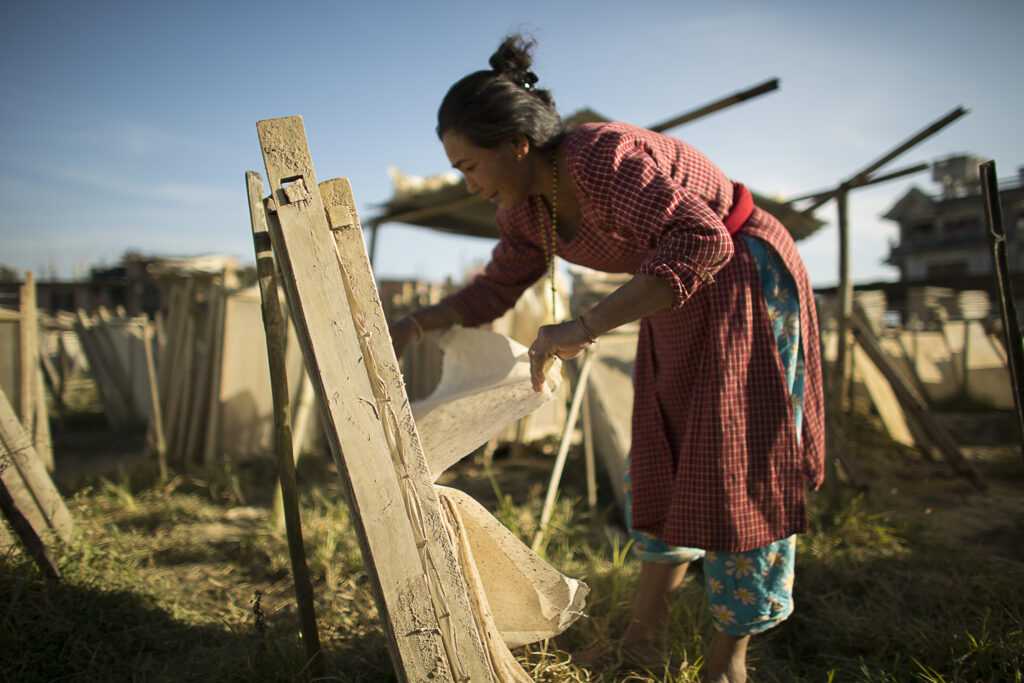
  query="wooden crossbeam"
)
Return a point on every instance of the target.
[{"x": 420, "y": 591}]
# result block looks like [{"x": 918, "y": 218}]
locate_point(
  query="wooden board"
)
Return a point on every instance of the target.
[
  {"x": 882, "y": 395},
  {"x": 10, "y": 356},
  {"x": 27, "y": 480},
  {"x": 421, "y": 594},
  {"x": 925, "y": 424}
]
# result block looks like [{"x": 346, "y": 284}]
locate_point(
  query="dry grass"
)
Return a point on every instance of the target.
[{"x": 161, "y": 584}]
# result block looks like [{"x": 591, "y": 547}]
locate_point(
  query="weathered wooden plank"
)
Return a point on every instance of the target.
[
  {"x": 914, "y": 407},
  {"x": 41, "y": 435},
  {"x": 387, "y": 380},
  {"x": 113, "y": 406},
  {"x": 25, "y": 531},
  {"x": 182, "y": 392},
  {"x": 426, "y": 615},
  {"x": 22, "y": 471},
  {"x": 202, "y": 395}
]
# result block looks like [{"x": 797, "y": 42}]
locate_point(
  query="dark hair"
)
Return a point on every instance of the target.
[{"x": 488, "y": 107}]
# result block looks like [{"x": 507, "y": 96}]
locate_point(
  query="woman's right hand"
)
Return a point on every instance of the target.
[
  {"x": 411, "y": 328},
  {"x": 404, "y": 332}
]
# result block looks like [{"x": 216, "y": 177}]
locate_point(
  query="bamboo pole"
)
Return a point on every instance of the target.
[
  {"x": 588, "y": 454},
  {"x": 1007, "y": 305},
  {"x": 867, "y": 181},
  {"x": 563, "y": 450},
  {"x": 859, "y": 178},
  {"x": 276, "y": 331},
  {"x": 742, "y": 96},
  {"x": 842, "y": 369}
]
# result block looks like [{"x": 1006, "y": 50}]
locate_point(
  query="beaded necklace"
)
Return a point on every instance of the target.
[{"x": 549, "y": 244}]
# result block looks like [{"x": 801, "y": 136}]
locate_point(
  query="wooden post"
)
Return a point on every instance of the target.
[
  {"x": 29, "y": 353},
  {"x": 156, "y": 435},
  {"x": 276, "y": 331},
  {"x": 420, "y": 591},
  {"x": 842, "y": 369},
  {"x": 1007, "y": 305}
]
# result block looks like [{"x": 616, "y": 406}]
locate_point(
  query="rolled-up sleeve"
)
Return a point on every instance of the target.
[
  {"x": 688, "y": 241},
  {"x": 515, "y": 265}
]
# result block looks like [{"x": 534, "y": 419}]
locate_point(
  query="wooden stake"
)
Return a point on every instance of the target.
[
  {"x": 276, "y": 331},
  {"x": 1007, "y": 305}
]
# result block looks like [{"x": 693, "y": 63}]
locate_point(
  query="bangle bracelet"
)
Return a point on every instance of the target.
[
  {"x": 419, "y": 328},
  {"x": 591, "y": 337}
]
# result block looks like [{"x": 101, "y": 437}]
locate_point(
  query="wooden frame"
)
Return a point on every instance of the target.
[{"x": 420, "y": 590}]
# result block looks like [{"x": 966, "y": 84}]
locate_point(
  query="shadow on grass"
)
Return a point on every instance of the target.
[
  {"x": 922, "y": 614},
  {"x": 60, "y": 631}
]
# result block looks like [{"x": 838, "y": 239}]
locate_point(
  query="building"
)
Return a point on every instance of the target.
[
  {"x": 134, "y": 284},
  {"x": 943, "y": 238}
]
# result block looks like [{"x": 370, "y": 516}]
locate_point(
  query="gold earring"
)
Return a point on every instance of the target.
[{"x": 519, "y": 157}]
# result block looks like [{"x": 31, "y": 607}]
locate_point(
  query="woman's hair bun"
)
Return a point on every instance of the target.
[
  {"x": 489, "y": 107},
  {"x": 513, "y": 59}
]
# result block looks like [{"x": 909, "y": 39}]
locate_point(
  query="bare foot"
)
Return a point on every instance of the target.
[
  {"x": 633, "y": 653},
  {"x": 643, "y": 645},
  {"x": 593, "y": 658}
]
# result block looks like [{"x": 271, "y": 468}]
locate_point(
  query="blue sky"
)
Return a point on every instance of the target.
[{"x": 130, "y": 125}]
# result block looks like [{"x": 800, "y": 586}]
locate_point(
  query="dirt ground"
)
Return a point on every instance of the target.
[{"x": 946, "y": 507}]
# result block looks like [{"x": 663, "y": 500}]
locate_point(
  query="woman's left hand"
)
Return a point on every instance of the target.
[{"x": 565, "y": 340}]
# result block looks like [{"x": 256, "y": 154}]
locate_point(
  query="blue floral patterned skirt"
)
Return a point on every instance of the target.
[{"x": 750, "y": 591}]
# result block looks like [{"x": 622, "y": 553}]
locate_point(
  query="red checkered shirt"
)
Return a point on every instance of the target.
[{"x": 716, "y": 460}]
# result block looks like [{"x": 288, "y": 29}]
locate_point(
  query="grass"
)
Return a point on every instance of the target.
[{"x": 189, "y": 580}]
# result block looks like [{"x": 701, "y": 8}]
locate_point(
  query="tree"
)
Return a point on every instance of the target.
[{"x": 8, "y": 274}]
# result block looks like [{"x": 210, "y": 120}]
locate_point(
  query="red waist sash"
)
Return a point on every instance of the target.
[{"x": 742, "y": 207}]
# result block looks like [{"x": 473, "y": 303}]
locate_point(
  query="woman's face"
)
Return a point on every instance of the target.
[{"x": 495, "y": 173}]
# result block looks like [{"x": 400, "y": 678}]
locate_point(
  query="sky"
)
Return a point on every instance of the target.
[{"x": 130, "y": 125}]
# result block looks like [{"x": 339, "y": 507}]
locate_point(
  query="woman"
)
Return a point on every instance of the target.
[{"x": 727, "y": 416}]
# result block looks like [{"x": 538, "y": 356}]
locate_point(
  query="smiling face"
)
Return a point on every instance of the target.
[{"x": 493, "y": 173}]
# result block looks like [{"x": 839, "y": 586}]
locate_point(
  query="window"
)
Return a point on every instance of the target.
[{"x": 952, "y": 269}]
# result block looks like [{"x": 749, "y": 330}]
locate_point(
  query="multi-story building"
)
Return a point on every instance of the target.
[{"x": 943, "y": 238}]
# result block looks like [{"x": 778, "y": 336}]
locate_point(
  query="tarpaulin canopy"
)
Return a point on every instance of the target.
[{"x": 442, "y": 202}]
